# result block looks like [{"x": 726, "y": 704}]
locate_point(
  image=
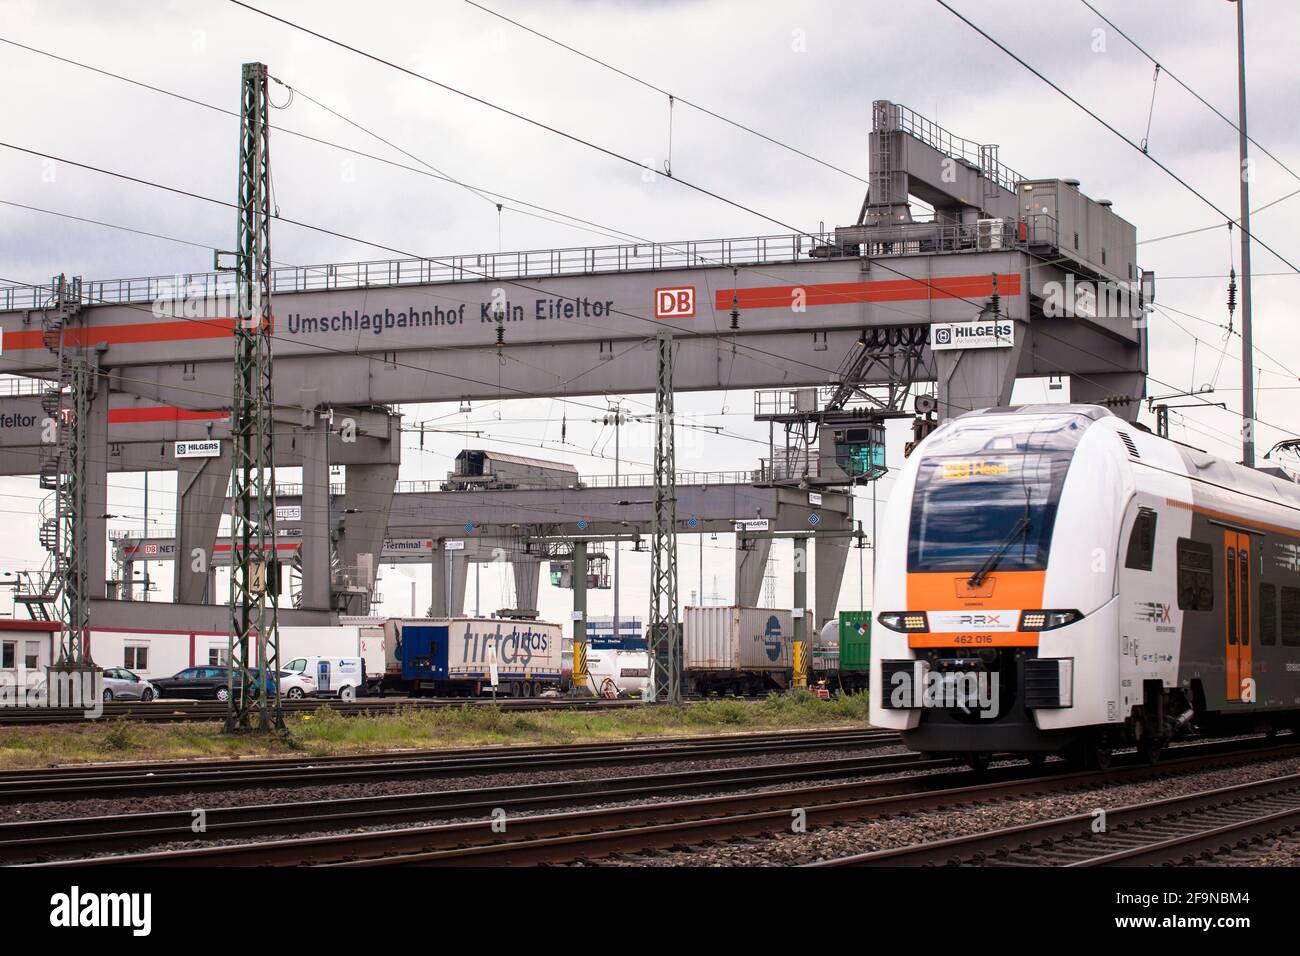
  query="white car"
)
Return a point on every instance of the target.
[
  {"x": 122, "y": 684},
  {"x": 296, "y": 685}
]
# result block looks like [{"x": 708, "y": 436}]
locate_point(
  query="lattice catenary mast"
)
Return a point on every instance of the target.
[
  {"x": 254, "y": 571},
  {"x": 665, "y": 628}
]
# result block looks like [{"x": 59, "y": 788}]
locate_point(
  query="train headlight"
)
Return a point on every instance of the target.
[
  {"x": 906, "y": 621},
  {"x": 1047, "y": 620}
]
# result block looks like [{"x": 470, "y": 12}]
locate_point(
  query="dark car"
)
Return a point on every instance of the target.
[{"x": 200, "y": 683}]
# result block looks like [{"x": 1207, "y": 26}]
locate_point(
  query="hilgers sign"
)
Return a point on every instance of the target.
[
  {"x": 999, "y": 334},
  {"x": 198, "y": 449}
]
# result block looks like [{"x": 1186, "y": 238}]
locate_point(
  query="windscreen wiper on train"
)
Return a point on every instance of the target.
[{"x": 1021, "y": 528}]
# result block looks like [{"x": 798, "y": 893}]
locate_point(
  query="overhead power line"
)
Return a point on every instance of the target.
[
  {"x": 1218, "y": 225},
  {"x": 1169, "y": 172},
  {"x": 493, "y": 106},
  {"x": 506, "y": 111},
  {"x": 673, "y": 96},
  {"x": 509, "y": 202},
  {"x": 1169, "y": 73}
]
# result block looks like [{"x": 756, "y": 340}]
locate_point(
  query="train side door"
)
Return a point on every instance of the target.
[{"x": 1237, "y": 589}]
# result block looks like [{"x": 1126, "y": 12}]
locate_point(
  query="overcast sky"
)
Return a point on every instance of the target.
[{"x": 805, "y": 73}]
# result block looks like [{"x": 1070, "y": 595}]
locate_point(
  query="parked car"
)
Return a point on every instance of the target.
[
  {"x": 122, "y": 684},
  {"x": 341, "y": 677},
  {"x": 295, "y": 685},
  {"x": 201, "y": 683}
]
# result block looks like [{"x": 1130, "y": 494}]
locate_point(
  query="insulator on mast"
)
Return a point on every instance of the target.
[{"x": 735, "y": 302}]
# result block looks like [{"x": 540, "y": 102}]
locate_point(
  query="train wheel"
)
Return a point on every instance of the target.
[
  {"x": 1037, "y": 761},
  {"x": 979, "y": 762},
  {"x": 1151, "y": 748},
  {"x": 1097, "y": 755}
]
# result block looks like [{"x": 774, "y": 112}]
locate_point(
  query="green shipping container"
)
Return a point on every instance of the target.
[{"x": 855, "y": 640}]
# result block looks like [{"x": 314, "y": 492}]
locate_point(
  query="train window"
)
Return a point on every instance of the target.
[
  {"x": 1195, "y": 576},
  {"x": 1243, "y": 559},
  {"x": 1231, "y": 588},
  {"x": 1291, "y": 617},
  {"x": 1142, "y": 541},
  {"x": 1268, "y": 614}
]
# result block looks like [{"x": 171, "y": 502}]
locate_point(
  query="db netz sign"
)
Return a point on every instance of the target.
[
  {"x": 972, "y": 335},
  {"x": 198, "y": 449},
  {"x": 675, "y": 303}
]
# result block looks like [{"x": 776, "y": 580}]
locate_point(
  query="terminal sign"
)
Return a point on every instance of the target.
[
  {"x": 999, "y": 334},
  {"x": 675, "y": 303},
  {"x": 198, "y": 449}
]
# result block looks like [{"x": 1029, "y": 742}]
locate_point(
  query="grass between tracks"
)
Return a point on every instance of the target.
[{"x": 328, "y": 732}]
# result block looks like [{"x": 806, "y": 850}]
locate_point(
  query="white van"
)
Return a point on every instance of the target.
[{"x": 341, "y": 677}]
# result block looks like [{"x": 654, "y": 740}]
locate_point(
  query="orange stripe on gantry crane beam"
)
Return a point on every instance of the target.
[
  {"x": 163, "y": 413},
  {"x": 889, "y": 290},
  {"x": 184, "y": 330},
  {"x": 280, "y": 546}
]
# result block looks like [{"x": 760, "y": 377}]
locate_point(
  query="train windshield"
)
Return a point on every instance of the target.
[{"x": 987, "y": 491}]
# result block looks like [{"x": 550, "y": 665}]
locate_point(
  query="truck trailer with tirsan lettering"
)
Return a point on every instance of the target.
[{"x": 466, "y": 657}]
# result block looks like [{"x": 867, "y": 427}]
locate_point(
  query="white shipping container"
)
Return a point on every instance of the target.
[
  {"x": 344, "y": 640},
  {"x": 752, "y": 639},
  {"x": 524, "y": 649}
]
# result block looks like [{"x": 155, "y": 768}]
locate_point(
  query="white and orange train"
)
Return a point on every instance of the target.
[{"x": 1051, "y": 578}]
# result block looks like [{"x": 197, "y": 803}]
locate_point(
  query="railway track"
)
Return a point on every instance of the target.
[
  {"x": 40, "y": 839},
  {"x": 170, "y": 712},
  {"x": 144, "y": 780},
  {"x": 1177, "y": 830},
  {"x": 591, "y": 834}
]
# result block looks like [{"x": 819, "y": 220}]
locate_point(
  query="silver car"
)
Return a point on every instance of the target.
[{"x": 122, "y": 684}]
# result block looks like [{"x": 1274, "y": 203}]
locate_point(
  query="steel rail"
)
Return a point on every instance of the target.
[
  {"x": 1160, "y": 831},
  {"x": 235, "y": 777},
  {"x": 177, "y": 712},
  {"x": 158, "y": 767},
  {"x": 40, "y": 839},
  {"x": 591, "y": 834}
]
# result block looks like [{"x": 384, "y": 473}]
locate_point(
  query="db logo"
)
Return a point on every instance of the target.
[
  {"x": 151, "y": 549},
  {"x": 675, "y": 303}
]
